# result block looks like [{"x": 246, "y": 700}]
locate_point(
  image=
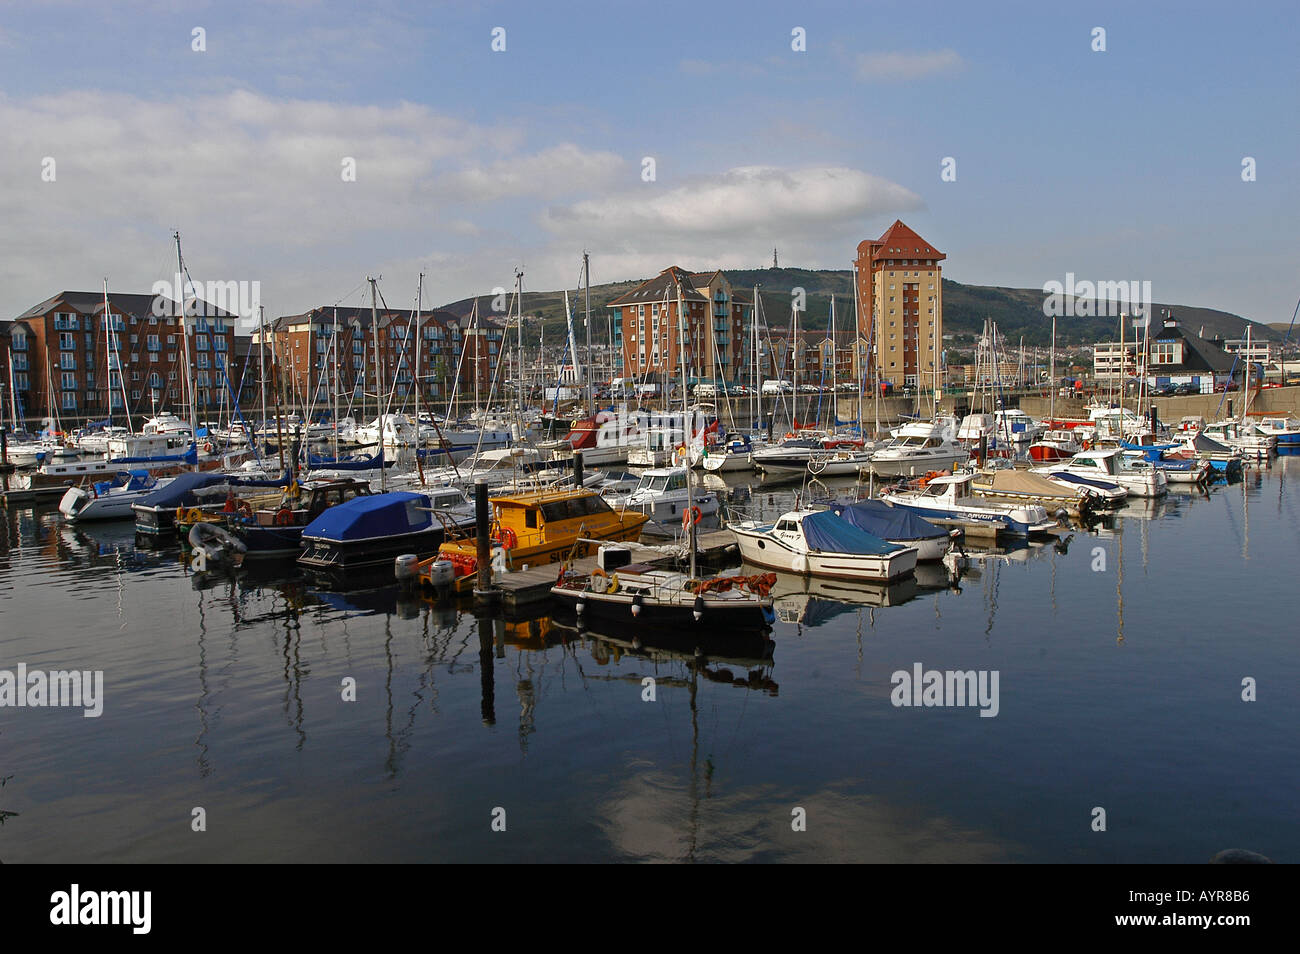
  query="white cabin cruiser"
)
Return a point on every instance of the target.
[
  {"x": 949, "y": 499},
  {"x": 662, "y": 494},
  {"x": 1110, "y": 465},
  {"x": 108, "y": 499},
  {"x": 821, "y": 543},
  {"x": 919, "y": 448}
]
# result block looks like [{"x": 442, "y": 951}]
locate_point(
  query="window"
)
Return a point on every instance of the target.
[
  {"x": 68, "y": 361},
  {"x": 66, "y": 341},
  {"x": 171, "y": 375},
  {"x": 155, "y": 381},
  {"x": 153, "y": 357},
  {"x": 18, "y": 342},
  {"x": 69, "y": 400},
  {"x": 69, "y": 381},
  {"x": 201, "y": 343},
  {"x": 20, "y": 382},
  {"x": 135, "y": 375},
  {"x": 135, "y": 396},
  {"x": 171, "y": 340}
]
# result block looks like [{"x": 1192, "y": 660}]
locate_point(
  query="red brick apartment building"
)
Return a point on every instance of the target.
[
  {"x": 900, "y": 304},
  {"x": 451, "y": 348},
  {"x": 647, "y": 335},
  {"x": 67, "y": 359}
]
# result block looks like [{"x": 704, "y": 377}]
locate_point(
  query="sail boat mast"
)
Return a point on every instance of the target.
[
  {"x": 185, "y": 338},
  {"x": 686, "y": 427}
]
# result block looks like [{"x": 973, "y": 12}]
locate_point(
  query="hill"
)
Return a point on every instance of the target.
[{"x": 1017, "y": 311}]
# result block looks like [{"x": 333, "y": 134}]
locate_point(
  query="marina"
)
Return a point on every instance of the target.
[{"x": 1107, "y": 684}]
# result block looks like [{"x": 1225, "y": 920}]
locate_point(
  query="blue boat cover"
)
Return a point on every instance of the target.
[
  {"x": 371, "y": 462},
  {"x": 181, "y": 491},
  {"x": 827, "y": 532},
  {"x": 1085, "y": 481},
  {"x": 375, "y": 515},
  {"x": 886, "y": 522}
]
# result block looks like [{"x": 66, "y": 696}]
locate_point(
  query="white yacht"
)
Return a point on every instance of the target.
[
  {"x": 918, "y": 448},
  {"x": 821, "y": 543},
  {"x": 1109, "y": 465},
  {"x": 662, "y": 495}
]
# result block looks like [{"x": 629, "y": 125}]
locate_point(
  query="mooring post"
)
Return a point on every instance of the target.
[
  {"x": 487, "y": 672},
  {"x": 984, "y": 448},
  {"x": 577, "y": 468},
  {"x": 483, "y": 591}
]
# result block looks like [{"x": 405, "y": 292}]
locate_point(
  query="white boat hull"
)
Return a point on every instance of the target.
[{"x": 762, "y": 549}]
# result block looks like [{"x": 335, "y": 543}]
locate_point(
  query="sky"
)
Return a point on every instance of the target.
[{"x": 695, "y": 134}]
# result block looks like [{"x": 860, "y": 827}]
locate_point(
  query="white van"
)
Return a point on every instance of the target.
[
  {"x": 774, "y": 386},
  {"x": 703, "y": 391}
]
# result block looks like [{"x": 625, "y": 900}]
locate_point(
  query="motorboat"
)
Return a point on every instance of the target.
[
  {"x": 662, "y": 495},
  {"x": 641, "y": 597},
  {"x": 1011, "y": 485},
  {"x": 1246, "y": 437},
  {"x": 1056, "y": 444},
  {"x": 734, "y": 453},
  {"x": 1109, "y": 464},
  {"x": 109, "y": 499},
  {"x": 371, "y": 531},
  {"x": 543, "y": 526},
  {"x": 918, "y": 448},
  {"x": 156, "y": 511},
  {"x": 839, "y": 463},
  {"x": 948, "y": 499},
  {"x": 899, "y": 526},
  {"x": 1016, "y": 426},
  {"x": 821, "y": 543},
  {"x": 271, "y": 532},
  {"x": 1286, "y": 430}
]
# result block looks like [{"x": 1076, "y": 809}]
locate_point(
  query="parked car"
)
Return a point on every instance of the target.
[
  {"x": 775, "y": 386},
  {"x": 1182, "y": 389}
]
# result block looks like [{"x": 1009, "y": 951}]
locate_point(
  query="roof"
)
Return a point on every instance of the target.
[
  {"x": 1201, "y": 355},
  {"x": 361, "y": 315},
  {"x": 671, "y": 283},
  {"x": 92, "y": 303},
  {"x": 528, "y": 498},
  {"x": 899, "y": 241}
]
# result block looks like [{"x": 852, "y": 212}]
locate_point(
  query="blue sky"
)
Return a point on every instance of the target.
[{"x": 1115, "y": 165}]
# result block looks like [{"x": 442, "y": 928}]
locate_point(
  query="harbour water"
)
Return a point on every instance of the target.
[{"x": 1120, "y": 653}]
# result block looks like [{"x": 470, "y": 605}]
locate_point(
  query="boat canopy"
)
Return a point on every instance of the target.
[
  {"x": 374, "y": 515},
  {"x": 827, "y": 532},
  {"x": 1208, "y": 445},
  {"x": 1068, "y": 477},
  {"x": 369, "y": 462},
  {"x": 183, "y": 490},
  {"x": 886, "y": 522}
]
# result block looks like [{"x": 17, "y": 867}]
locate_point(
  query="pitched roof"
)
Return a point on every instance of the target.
[
  {"x": 668, "y": 284},
  {"x": 92, "y": 303},
  {"x": 898, "y": 241},
  {"x": 1201, "y": 355}
]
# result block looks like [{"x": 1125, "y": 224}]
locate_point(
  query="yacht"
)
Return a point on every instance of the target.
[
  {"x": 948, "y": 498},
  {"x": 662, "y": 495},
  {"x": 1109, "y": 464},
  {"x": 918, "y": 448}
]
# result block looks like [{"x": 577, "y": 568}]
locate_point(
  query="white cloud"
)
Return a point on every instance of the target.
[
  {"x": 559, "y": 170},
  {"x": 900, "y": 65},
  {"x": 794, "y": 201}
]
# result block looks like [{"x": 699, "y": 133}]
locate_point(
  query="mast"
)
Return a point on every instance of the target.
[
  {"x": 108, "y": 355},
  {"x": 335, "y": 387},
  {"x": 1051, "y": 375},
  {"x": 794, "y": 398},
  {"x": 261, "y": 362},
  {"x": 755, "y": 401},
  {"x": 374, "y": 329},
  {"x": 586, "y": 323},
  {"x": 419, "y": 334},
  {"x": 519, "y": 344},
  {"x": 185, "y": 339},
  {"x": 686, "y": 435},
  {"x": 857, "y": 349}
]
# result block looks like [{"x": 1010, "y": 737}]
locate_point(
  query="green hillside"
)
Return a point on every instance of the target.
[{"x": 1017, "y": 311}]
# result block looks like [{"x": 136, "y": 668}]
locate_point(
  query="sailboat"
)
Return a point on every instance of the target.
[{"x": 621, "y": 593}]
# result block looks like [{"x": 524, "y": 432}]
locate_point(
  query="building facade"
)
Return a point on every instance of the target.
[
  {"x": 331, "y": 350},
  {"x": 647, "y": 335},
  {"x": 900, "y": 304},
  {"x": 73, "y": 361}
]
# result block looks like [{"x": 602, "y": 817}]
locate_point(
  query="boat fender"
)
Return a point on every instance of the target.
[
  {"x": 698, "y": 609},
  {"x": 283, "y": 517},
  {"x": 598, "y": 583},
  {"x": 637, "y": 601},
  {"x": 613, "y": 583}
]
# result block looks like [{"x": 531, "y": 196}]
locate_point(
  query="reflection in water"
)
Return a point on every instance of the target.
[{"x": 707, "y": 773}]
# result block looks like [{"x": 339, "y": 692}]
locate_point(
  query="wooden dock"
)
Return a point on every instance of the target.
[{"x": 526, "y": 588}]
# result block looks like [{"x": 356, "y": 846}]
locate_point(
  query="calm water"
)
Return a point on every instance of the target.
[{"x": 1120, "y": 688}]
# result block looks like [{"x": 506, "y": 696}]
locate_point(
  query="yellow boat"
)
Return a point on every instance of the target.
[{"x": 536, "y": 527}]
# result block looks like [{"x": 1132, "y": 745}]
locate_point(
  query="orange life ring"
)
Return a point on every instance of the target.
[
  {"x": 207, "y": 447},
  {"x": 691, "y": 517},
  {"x": 283, "y": 517},
  {"x": 506, "y": 537}
]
